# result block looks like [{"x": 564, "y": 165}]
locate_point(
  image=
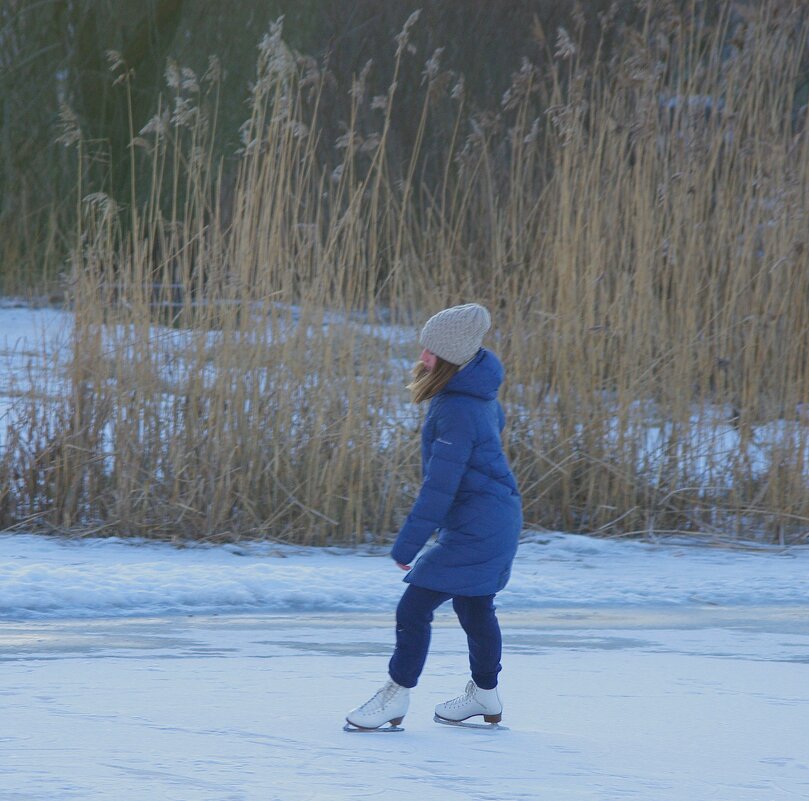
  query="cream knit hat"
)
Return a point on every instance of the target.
[{"x": 456, "y": 334}]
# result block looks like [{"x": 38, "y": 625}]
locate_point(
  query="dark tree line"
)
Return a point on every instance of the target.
[{"x": 55, "y": 58}]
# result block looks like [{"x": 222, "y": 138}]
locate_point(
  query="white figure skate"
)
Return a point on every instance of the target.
[
  {"x": 388, "y": 705},
  {"x": 475, "y": 701}
]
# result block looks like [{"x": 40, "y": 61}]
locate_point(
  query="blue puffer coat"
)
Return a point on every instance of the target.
[{"x": 469, "y": 493}]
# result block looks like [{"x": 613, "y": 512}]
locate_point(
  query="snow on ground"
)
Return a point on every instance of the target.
[
  {"x": 35, "y": 341},
  {"x": 56, "y": 577},
  {"x": 30, "y": 339},
  {"x": 660, "y": 672}
]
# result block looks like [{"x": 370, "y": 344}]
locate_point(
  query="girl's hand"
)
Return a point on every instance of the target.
[{"x": 404, "y": 567}]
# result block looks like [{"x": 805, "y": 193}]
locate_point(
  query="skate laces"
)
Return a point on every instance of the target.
[
  {"x": 380, "y": 697},
  {"x": 468, "y": 695}
]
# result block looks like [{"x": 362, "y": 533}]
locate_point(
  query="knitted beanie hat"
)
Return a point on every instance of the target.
[{"x": 456, "y": 334}]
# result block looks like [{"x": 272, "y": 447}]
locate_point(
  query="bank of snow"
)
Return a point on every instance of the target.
[{"x": 53, "y": 577}]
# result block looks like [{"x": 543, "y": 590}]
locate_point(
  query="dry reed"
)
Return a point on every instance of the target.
[{"x": 638, "y": 229}]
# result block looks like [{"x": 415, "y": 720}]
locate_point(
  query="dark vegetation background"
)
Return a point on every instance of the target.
[{"x": 56, "y": 53}]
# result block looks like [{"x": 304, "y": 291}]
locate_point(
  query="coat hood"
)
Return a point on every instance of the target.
[{"x": 481, "y": 378}]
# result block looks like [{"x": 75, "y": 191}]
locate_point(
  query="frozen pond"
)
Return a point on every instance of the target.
[{"x": 651, "y": 703}]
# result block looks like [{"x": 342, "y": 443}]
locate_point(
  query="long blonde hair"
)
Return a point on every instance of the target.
[{"x": 427, "y": 383}]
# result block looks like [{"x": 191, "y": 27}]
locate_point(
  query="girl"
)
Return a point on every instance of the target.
[{"x": 469, "y": 494}]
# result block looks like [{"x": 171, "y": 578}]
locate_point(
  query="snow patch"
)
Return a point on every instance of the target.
[{"x": 53, "y": 577}]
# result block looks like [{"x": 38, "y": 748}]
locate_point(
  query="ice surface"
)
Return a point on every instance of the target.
[
  {"x": 608, "y": 706},
  {"x": 631, "y": 671}
]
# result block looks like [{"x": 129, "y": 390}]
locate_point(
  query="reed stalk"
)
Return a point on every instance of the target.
[{"x": 637, "y": 226}]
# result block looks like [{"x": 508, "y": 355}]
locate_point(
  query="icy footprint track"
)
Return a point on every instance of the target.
[{"x": 654, "y": 705}]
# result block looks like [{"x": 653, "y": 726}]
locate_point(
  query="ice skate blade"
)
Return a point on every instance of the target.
[
  {"x": 463, "y": 724},
  {"x": 350, "y": 727}
]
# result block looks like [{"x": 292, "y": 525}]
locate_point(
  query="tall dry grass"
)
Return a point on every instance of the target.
[{"x": 638, "y": 228}]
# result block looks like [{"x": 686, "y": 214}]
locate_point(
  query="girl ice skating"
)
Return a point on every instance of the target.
[{"x": 470, "y": 496}]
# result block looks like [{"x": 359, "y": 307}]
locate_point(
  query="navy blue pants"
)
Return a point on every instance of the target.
[{"x": 476, "y": 615}]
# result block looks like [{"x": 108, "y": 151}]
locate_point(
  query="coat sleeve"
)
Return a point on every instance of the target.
[{"x": 449, "y": 457}]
